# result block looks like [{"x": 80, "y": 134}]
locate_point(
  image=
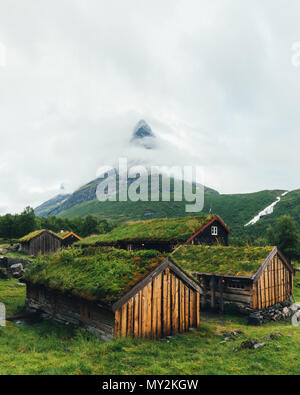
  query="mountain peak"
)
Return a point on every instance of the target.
[{"x": 143, "y": 135}]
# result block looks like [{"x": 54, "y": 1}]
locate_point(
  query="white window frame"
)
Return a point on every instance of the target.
[{"x": 214, "y": 231}]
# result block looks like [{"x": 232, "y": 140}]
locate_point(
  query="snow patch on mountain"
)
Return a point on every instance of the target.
[{"x": 267, "y": 211}]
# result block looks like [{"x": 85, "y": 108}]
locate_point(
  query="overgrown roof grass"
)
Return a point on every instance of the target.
[
  {"x": 165, "y": 229},
  {"x": 220, "y": 260},
  {"x": 102, "y": 274},
  {"x": 34, "y": 234},
  {"x": 62, "y": 235}
]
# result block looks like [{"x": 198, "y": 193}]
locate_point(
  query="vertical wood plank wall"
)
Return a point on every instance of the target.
[
  {"x": 275, "y": 285},
  {"x": 45, "y": 243},
  {"x": 164, "y": 307}
]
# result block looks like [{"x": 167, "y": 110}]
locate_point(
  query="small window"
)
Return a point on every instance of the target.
[
  {"x": 214, "y": 231},
  {"x": 235, "y": 285}
]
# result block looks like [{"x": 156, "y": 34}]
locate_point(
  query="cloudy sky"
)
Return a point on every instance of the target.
[{"x": 213, "y": 78}]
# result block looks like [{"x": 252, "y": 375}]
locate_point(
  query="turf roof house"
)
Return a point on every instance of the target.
[
  {"x": 68, "y": 238},
  {"x": 115, "y": 293},
  {"x": 46, "y": 242},
  {"x": 251, "y": 278},
  {"x": 41, "y": 241},
  {"x": 163, "y": 234}
]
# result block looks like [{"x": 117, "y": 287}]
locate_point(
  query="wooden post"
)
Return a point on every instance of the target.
[
  {"x": 221, "y": 300},
  {"x": 136, "y": 315},
  {"x": 212, "y": 286},
  {"x": 117, "y": 323}
]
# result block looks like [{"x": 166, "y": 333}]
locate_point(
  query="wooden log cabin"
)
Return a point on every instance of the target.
[
  {"x": 68, "y": 238},
  {"x": 115, "y": 293},
  {"x": 163, "y": 234},
  {"x": 41, "y": 241},
  {"x": 246, "y": 278}
]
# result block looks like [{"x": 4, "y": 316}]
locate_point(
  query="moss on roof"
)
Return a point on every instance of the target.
[
  {"x": 165, "y": 229},
  {"x": 62, "y": 235},
  {"x": 230, "y": 261},
  {"x": 102, "y": 274},
  {"x": 34, "y": 234}
]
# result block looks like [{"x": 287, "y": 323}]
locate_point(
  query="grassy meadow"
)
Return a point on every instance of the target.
[{"x": 45, "y": 348}]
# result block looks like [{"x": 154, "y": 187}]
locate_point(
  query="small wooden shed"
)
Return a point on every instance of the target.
[
  {"x": 68, "y": 238},
  {"x": 115, "y": 293},
  {"x": 41, "y": 241},
  {"x": 163, "y": 234},
  {"x": 250, "y": 278}
]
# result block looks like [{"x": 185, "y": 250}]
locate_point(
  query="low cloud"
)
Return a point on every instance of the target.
[{"x": 214, "y": 79}]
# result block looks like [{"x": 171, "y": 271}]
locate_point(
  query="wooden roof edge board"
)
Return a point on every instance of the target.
[
  {"x": 189, "y": 280},
  {"x": 224, "y": 276},
  {"x": 268, "y": 260},
  {"x": 72, "y": 233},
  {"x": 288, "y": 264},
  {"x": 146, "y": 280},
  {"x": 264, "y": 264},
  {"x": 216, "y": 218}
]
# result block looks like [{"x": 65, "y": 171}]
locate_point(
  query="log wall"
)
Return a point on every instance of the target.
[
  {"x": 165, "y": 306},
  {"x": 68, "y": 309},
  {"x": 274, "y": 285}
]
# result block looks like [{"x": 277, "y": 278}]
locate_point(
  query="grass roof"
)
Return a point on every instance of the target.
[
  {"x": 102, "y": 274},
  {"x": 165, "y": 229},
  {"x": 63, "y": 234},
  {"x": 34, "y": 234},
  {"x": 230, "y": 261}
]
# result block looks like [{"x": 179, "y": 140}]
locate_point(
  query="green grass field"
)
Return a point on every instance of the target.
[{"x": 45, "y": 348}]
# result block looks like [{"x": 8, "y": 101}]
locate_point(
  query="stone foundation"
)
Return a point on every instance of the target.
[{"x": 281, "y": 311}]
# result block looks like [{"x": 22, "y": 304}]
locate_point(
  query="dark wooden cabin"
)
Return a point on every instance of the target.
[
  {"x": 163, "y": 234},
  {"x": 41, "y": 241},
  {"x": 249, "y": 278},
  {"x": 68, "y": 238},
  {"x": 160, "y": 300}
]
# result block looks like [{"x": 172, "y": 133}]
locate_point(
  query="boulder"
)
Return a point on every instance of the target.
[
  {"x": 14, "y": 247},
  {"x": 296, "y": 319},
  {"x": 15, "y": 261},
  {"x": 16, "y": 267},
  {"x": 286, "y": 311},
  {"x": 273, "y": 336},
  {"x": 295, "y": 307},
  {"x": 251, "y": 344}
]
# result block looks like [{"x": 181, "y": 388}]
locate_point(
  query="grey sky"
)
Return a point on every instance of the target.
[{"x": 214, "y": 79}]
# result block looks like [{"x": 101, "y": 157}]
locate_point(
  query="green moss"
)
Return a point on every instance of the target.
[
  {"x": 235, "y": 261},
  {"x": 34, "y": 234},
  {"x": 105, "y": 274},
  {"x": 63, "y": 234},
  {"x": 165, "y": 229}
]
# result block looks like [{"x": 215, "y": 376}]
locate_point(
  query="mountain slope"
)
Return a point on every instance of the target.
[
  {"x": 236, "y": 210},
  {"x": 50, "y": 205}
]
